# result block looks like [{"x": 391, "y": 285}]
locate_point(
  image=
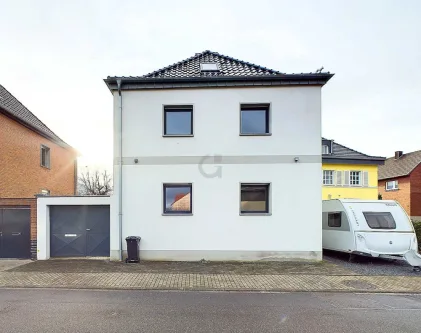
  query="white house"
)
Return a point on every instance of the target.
[{"x": 217, "y": 159}]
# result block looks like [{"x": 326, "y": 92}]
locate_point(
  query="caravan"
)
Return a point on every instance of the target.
[{"x": 377, "y": 228}]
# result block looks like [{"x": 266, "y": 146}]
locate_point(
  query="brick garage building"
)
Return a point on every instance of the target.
[
  {"x": 400, "y": 180},
  {"x": 33, "y": 161}
]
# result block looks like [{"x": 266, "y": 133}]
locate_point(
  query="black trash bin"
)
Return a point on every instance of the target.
[{"x": 132, "y": 248}]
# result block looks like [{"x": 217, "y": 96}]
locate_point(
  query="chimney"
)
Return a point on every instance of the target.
[{"x": 398, "y": 154}]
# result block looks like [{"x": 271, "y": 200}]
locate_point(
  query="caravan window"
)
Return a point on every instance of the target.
[
  {"x": 376, "y": 220},
  {"x": 334, "y": 220}
]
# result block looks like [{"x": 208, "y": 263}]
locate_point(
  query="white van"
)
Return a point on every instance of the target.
[{"x": 377, "y": 228}]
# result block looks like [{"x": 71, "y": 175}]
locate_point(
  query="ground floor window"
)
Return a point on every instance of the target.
[
  {"x": 254, "y": 198},
  {"x": 392, "y": 185},
  {"x": 177, "y": 199}
]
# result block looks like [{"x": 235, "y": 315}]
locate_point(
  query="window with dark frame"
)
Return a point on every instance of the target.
[
  {"x": 254, "y": 198},
  {"x": 254, "y": 119},
  {"x": 334, "y": 220},
  {"x": 380, "y": 220},
  {"x": 178, "y": 120},
  {"x": 177, "y": 199},
  {"x": 45, "y": 156}
]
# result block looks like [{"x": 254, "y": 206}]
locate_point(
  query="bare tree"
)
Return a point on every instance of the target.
[{"x": 94, "y": 183}]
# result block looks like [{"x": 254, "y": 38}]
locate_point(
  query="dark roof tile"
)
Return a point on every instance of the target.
[
  {"x": 342, "y": 152},
  {"x": 17, "y": 110},
  {"x": 400, "y": 167}
]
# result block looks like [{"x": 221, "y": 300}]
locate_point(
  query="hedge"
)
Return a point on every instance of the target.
[{"x": 417, "y": 227}]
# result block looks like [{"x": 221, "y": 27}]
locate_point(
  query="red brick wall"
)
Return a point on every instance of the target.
[
  {"x": 21, "y": 174},
  {"x": 402, "y": 195},
  {"x": 415, "y": 177},
  {"x": 32, "y": 203}
]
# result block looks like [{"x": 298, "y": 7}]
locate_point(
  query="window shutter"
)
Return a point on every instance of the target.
[
  {"x": 338, "y": 177},
  {"x": 346, "y": 180},
  {"x": 365, "y": 178}
]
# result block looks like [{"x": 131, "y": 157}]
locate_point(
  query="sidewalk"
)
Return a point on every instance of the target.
[{"x": 329, "y": 280}]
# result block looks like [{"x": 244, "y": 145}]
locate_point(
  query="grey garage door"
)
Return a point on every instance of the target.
[
  {"x": 79, "y": 231},
  {"x": 15, "y": 233}
]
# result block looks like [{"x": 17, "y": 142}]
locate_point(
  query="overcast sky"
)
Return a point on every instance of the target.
[{"x": 55, "y": 54}]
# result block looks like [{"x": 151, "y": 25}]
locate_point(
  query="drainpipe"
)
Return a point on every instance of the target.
[{"x": 120, "y": 170}]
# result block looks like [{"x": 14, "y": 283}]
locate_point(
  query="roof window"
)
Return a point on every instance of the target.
[{"x": 209, "y": 67}]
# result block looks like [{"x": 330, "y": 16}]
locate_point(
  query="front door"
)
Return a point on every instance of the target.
[{"x": 15, "y": 233}]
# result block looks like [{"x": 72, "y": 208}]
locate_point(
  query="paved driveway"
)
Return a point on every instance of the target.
[
  {"x": 370, "y": 266},
  {"x": 6, "y": 264}
]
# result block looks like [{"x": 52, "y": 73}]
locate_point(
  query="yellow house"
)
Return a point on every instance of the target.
[{"x": 348, "y": 174}]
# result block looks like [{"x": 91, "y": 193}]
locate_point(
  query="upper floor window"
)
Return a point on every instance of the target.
[
  {"x": 355, "y": 178},
  {"x": 178, "y": 120},
  {"x": 45, "y": 156},
  {"x": 254, "y": 119},
  {"x": 325, "y": 149},
  {"x": 328, "y": 177},
  {"x": 392, "y": 185}
]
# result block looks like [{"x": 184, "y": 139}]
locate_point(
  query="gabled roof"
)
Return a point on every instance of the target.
[
  {"x": 342, "y": 154},
  {"x": 14, "y": 109},
  {"x": 231, "y": 72},
  {"x": 228, "y": 66},
  {"x": 400, "y": 167}
]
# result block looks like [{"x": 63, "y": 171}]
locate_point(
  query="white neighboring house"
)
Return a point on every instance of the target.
[{"x": 217, "y": 159}]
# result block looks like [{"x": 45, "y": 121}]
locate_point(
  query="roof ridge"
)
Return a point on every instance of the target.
[
  {"x": 244, "y": 62},
  {"x": 19, "y": 102},
  {"x": 410, "y": 153}
]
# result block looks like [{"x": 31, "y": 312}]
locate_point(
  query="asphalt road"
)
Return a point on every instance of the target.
[{"x": 48, "y": 310}]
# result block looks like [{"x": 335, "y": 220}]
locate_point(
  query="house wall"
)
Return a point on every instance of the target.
[
  {"x": 415, "y": 178},
  {"x": 402, "y": 194},
  {"x": 21, "y": 173},
  {"x": 352, "y": 192},
  {"x": 216, "y": 230},
  {"x": 32, "y": 204},
  {"x": 43, "y": 217}
]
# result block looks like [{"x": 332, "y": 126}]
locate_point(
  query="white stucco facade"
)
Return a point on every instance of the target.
[{"x": 288, "y": 159}]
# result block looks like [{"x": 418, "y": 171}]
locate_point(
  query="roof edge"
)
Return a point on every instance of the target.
[
  {"x": 359, "y": 161},
  {"x": 293, "y": 79},
  {"x": 62, "y": 144}
]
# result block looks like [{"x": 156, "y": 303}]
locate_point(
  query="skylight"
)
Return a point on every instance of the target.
[{"x": 209, "y": 67}]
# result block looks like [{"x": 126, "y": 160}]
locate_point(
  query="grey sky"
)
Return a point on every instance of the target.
[{"x": 54, "y": 55}]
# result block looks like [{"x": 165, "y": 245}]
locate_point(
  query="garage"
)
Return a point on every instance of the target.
[
  {"x": 15, "y": 232},
  {"x": 79, "y": 230}
]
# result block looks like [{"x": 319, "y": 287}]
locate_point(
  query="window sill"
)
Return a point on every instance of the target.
[
  {"x": 392, "y": 190},
  {"x": 177, "y": 135},
  {"x": 256, "y": 134},
  {"x": 177, "y": 214},
  {"x": 255, "y": 214}
]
